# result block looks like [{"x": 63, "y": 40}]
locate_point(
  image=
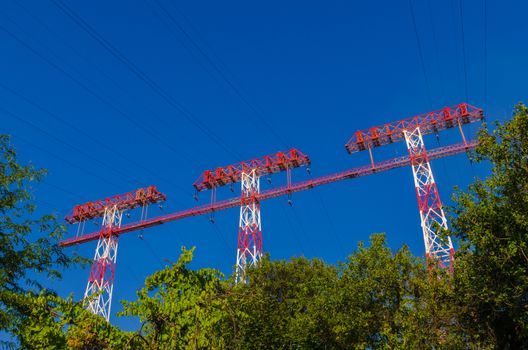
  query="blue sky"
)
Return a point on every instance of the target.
[{"x": 253, "y": 79}]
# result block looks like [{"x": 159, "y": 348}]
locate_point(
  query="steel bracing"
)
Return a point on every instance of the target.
[
  {"x": 267, "y": 165},
  {"x": 432, "y": 122},
  {"x": 129, "y": 200},
  {"x": 275, "y": 192},
  {"x": 98, "y": 294},
  {"x": 249, "y": 248},
  {"x": 438, "y": 249}
]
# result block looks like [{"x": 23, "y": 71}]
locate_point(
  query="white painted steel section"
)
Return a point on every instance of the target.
[
  {"x": 249, "y": 228},
  {"x": 100, "y": 285},
  {"x": 433, "y": 219}
]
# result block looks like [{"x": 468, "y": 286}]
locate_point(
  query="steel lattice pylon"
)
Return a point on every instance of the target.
[
  {"x": 100, "y": 285},
  {"x": 249, "y": 251},
  {"x": 438, "y": 250}
]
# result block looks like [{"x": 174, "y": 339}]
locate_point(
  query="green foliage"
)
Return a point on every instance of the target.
[
  {"x": 46, "y": 321},
  {"x": 180, "y": 308},
  {"x": 491, "y": 222},
  {"x": 27, "y": 241},
  {"x": 375, "y": 299}
]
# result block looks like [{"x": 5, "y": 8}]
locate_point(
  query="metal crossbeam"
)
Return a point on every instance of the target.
[{"x": 275, "y": 192}]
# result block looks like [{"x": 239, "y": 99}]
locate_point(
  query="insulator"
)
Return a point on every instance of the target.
[
  {"x": 128, "y": 214},
  {"x": 290, "y": 202},
  {"x": 269, "y": 179},
  {"x": 308, "y": 170},
  {"x": 160, "y": 206},
  {"x": 232, "y": 188},
  {"x": 195, "y": 196},
  {"x": 140, "y": 236},
  {"x": 212, "y": 220}
]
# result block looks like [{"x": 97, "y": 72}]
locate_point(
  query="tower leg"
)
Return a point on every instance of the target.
[
  {"x": 100, "y": 285},
  {"x": 249, "y": 250},
  {"x": 438, "y": 250}
]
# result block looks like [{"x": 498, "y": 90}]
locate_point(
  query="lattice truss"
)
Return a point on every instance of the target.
[
  {"x": 249, "y": 250},
  {"x": 100, "y": 285},
  {"x": 438, "y": 250}
]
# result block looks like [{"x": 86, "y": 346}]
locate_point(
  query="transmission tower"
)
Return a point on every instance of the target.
[
  {"x": 249, "y": 247},
  {"x": 100, "y": 285},
  {"x": 438, "y": 250},
  {"x": 433, "y": 220},
  {"x": 98, "y": 293}
]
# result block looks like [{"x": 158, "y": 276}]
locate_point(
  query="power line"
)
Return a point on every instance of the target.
[
  {"x": 62, "y": 189},
  {"x": 463, "y": 50},
  {"x": 82, "y": 132},
  {"x": 221, "y": 73},
  {"x": 435, "y": 44},
  {"x": 69, "y": 145},
  {"x": 86, "y": 88},
  {"x": 66, "y": 161},
  {"x": 143, "y": 76},
  {"x": 103, "y": 73},
  {"x": 218, "y": 70},
  {"x": 422, "y": 62}
]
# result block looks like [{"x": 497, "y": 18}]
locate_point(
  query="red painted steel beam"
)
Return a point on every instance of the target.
[
  {"x": 431, "y": 122},
  {"x": 129, "y": 200},
  {"x": 275, "y": 192},
  {"x": 265, "y": 165}
]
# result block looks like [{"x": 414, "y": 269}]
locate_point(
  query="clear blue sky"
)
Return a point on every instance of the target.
[{"x": 258, "y": 78}]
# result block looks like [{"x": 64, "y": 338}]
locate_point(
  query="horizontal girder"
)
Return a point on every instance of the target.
[
  {"x": 275, "y": 192},
  {"x": 428, "y": 123},
  {"x": 265, "y": 165},
  {"x": 129, "y": 200}
]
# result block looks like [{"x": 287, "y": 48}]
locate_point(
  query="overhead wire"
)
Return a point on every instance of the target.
[
  {"x": 92, "y": 92},
  {"x": 435, "y": 45},
  {"x": 221, "y": 73},
  {"x": 465, "y": 70},
  {"x": 69, "y": 145},
  {"x": 258, "y": 115},
  {"x": 420, "y": 54},
  {"x": 230, "y": 83},
  {"x": 71, "y": 77},
  {"x": 87, "y": 135},
  {"x": 463, "y": 50},
  {"x": 66, "y": 161},
  {"x": 104, "y": 74},
  {"x": 132, "y": 67}
]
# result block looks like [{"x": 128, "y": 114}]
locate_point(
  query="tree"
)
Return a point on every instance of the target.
[
  {"x": 180, "y": 308},
  {"x": 27, "y": 242},
  {"x": 33, "y": 315},
  {"x": 491, "y": 222}
]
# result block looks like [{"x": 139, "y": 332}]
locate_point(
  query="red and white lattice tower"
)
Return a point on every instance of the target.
[
  {"x": 100, "y": 285},
  {"x": 438, "y": 249},
  {"x": 248, "y": 173},
  {"x": 249, "y": 248},
  {"x": 98, "y": 294}
]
